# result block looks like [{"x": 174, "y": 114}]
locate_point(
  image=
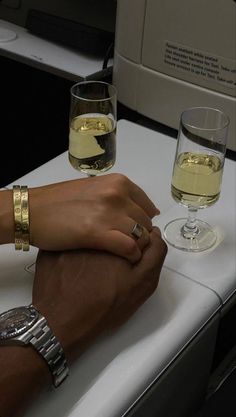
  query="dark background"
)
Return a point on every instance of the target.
[{"x": 34, "y": 118}]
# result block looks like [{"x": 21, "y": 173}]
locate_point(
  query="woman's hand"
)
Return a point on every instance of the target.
[{"x": 98, "y": 213}]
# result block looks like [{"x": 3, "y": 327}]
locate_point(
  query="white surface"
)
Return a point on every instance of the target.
[
  {"x": 146, "y": 157},
  {"x": 116, "y": 370},
  {"x": 7, "y": 35},
  {"x": 215, "y": 268},
  {"x": 46, "y": 55},
  {"x": 143, "y": 155},
  {"x": 113, "y": 373},
  {"x": 15, "y": 281}
]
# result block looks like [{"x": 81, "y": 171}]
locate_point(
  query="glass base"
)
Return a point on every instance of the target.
[{"x": 204, "y": 238}]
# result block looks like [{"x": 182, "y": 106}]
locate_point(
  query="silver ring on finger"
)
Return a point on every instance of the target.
[{"x": 137, "y": 231}]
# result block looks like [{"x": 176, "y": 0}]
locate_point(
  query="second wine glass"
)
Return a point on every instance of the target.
[
  {"x": 197, "y": 175},
  {"x": 92, "y": 136}
]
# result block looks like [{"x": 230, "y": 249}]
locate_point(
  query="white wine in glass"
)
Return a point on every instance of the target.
[
  {"x": 92, "y": 136},
  {"x": 197, "y": 175}
]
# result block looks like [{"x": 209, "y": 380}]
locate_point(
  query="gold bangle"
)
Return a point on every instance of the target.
[
  {"x": 25, "y": 218},
  {"x": 17, "y": 216}
]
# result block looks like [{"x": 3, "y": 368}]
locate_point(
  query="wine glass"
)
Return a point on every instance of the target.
[
  {"x": 197, "y": 175},
  {"x": 92, "y": 119}
]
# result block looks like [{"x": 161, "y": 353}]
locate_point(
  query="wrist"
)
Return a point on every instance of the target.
[
  {"x": 29, "y": 361},
  {"x": 75, "y": 336},
  {"x": 22, "y": 372},
  {"x": 54, "y": 321},
  {"x": 25, "y": 326},
  {"x": 6, "y": 217}
]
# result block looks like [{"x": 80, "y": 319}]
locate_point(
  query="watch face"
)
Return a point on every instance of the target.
[{"x": 16, "y": 321}]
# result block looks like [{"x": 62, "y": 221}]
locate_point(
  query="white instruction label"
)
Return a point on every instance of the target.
[{"x": 200, "y": 64}]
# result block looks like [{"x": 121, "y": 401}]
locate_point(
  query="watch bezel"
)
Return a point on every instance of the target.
[{"x": 18, "y": 328}]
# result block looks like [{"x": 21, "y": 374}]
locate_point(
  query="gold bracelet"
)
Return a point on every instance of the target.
[
  {"x": 21, "y": 217},
  {"x": 17, "y": 216},
  {"x": 25, "y": 218}
]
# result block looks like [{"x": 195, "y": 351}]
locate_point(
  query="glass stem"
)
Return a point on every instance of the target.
[{"x": 190, "y": 228}]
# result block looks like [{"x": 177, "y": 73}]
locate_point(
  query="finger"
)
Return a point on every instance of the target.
[
  {"x": 147, "y": 270},
  {"x": 128, "y": 224},
  {"x": 154, "y": 255},
  {"x": 156, "y": 231},
  {"x": 120, "y": 244},
  {"x": 141, "y": 198},
  {"x": 140, "y": 216},
  {"x": 144, "y": 239}
]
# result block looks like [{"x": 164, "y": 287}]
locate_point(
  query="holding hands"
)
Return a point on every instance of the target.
[
  {"x": 98, "y": 213},
  {"x": 81, "y": 286},
  {"x": 84, "y": 293}
]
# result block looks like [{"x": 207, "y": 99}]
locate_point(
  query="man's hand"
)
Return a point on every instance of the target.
[{"x": 84, "y": 293}]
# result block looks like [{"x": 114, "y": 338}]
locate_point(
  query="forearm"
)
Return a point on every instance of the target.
[
  {"x": 6, "y": 217},
  {"x": 23, "y": 376}
]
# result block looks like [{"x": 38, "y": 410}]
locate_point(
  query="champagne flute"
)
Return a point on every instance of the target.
[
  {"x": 197, "y": 175},
  {"x": 92, "y": 136}
]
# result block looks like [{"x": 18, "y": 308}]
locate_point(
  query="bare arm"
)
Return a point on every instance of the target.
[
  {"x": 23, "y": 376},
  {"x": 6, "y": 217}
]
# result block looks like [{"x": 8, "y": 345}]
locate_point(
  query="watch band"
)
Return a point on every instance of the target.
[{"x": 47, "y": 345}]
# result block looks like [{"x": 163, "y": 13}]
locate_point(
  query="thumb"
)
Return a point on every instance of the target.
[{"x": 155, "y": 253}]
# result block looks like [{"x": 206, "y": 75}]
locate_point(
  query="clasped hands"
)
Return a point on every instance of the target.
[
  {"x": 92, "y": 271},
  {"x": 84, "y": 292},
  {"x": 97, "y": 213}
]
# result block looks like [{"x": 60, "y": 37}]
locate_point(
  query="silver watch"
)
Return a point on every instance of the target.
[{"x": 25, "y": 325}]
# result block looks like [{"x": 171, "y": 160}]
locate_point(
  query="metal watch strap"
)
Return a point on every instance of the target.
[{"x": 43, "y": 340}]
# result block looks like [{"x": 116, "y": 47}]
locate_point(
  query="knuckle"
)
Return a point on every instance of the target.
[
  {"x": 120, "y": 177},
  {"x": 121, "y": 180},
  {"x": 111, "y": 195}
]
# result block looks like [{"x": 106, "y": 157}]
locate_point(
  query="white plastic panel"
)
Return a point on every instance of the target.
[
  {"x": 125, "y": 77},
  {"x": 192, "y": 41},
  {"x": 162, "y": 97},
  {"x": 129, "y": 28},
  {"x": 202, "y": 31}
]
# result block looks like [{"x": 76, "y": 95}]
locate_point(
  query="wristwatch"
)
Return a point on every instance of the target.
[{"x": 25, "y": 325}]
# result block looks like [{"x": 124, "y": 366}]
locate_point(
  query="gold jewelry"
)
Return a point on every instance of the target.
[
  {"x": 21, "y": 217},
  {"x": 17, "y": 216},
  {"x": 25, "y": 217}
]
